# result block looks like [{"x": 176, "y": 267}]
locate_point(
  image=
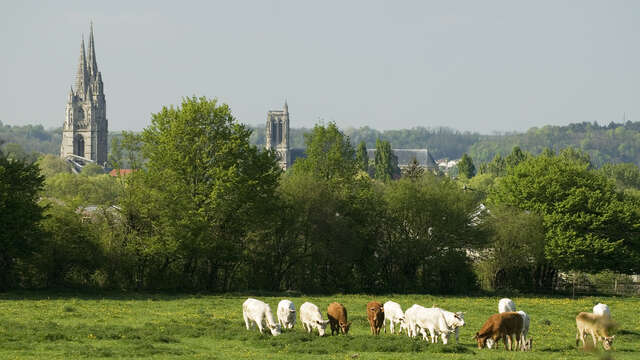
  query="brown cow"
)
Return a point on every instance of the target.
[
  {"x": 501, "y": 326},
  {"x": 337, "y": 315},
  {"x": 375, "y": 313}
]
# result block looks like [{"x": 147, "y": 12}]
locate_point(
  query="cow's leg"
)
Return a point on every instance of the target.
[
  {"x": 432, "y": 332},
  {"x": 504, "y": 339},
  {"x": 391, "y": 325},
  {"x": 246, "y": 321},
  {"x": 259, "y": 323},
  {"x": 457, "y": 332},
  {"x": 595, "y": 339}
]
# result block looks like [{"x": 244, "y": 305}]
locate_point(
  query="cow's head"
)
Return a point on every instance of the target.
[
  {"x": 376, "y": 309},
  {"x": 345, "y": 327},
  {"x": 275, "y": 329},
  {"x": 607, "y": 342},
  {"x": 481, "y": 340},
  {"x": 458, "y": 319},
  {"x": 322, "y": 325}
]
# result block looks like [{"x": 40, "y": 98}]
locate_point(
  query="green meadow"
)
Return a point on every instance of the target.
[{"x": 62, "y": 326}]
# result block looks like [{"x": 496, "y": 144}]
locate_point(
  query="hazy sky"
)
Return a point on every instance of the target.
[{"x": 471, "y": 65}]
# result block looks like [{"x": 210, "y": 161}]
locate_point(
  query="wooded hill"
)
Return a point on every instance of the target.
[{"x": 613, "y": 143}]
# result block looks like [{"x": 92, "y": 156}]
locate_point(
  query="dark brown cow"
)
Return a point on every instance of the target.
[
  {"x": 337, "y": 315},
  {"x": 499, "y": 326},
  {"x": 375, "y": 314}
]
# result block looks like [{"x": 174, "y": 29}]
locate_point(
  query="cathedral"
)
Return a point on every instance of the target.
[
  {"x": 85, "y": 129},
  {"x": 277, "y": 133}
]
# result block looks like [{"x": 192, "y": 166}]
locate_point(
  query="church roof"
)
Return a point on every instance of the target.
[{"x": 405, "y": 156}]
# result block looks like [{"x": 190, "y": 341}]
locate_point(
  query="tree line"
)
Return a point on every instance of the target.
[
  {"x": 206, "y": 210},
  {"x": 612, "y": 143}
]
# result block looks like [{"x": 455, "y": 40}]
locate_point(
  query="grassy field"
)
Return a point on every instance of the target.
[{"x": 63, "y": 326}]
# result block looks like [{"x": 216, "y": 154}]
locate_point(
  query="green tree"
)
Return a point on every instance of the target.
[
  {"x": 84, "y": 190},
  {"x": 414, "y": 170},
  {"x": 51, "y": 165},
  {"x": 330, "y": 211},
  {"x": 211, "y": 186},
  {"x": 330, "y": 155},
  {"x": 426, "y": 229},
  {"x": 362, "y": 158},
  {"x": 386, "y": 163},
  {"x": 92, "y": 169},
  {"x": 588, "y": 225},
  {"x": 466, "y": 167},
  {"x": 514, "y": 234},
  {"x": 20, "y": 214},
  {"x": 516, "y": 157},
  {"x": 626, "y": 176},
  {"x": 69, "y": 254}
]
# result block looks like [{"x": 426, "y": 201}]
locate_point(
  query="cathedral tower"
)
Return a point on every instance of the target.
[
  {"x": 278, "y": 134},
  {"x": 85, "y": 128}
]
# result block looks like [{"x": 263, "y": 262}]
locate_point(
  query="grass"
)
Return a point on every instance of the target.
[{"x": 61, "y": 326}]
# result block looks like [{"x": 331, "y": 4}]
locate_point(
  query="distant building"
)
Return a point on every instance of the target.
[
  {"x": 85, "y": 129},
  {"x": 406, "y": 156},
  {"x": 277, "y": 138},
  {"x": 277, "y": 133}
]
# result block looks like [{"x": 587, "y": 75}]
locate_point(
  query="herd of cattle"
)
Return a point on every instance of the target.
[{"x": 508, "y": 324}]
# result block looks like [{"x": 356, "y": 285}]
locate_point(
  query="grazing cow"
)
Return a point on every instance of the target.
[
  {"x": 375, "y": 314},
  {"x": 431, "y": 319},
  {"x": 286, "y": 314},
  {"x": 393, "y": 313},
  {"x": 598, "y": 326},
  {"x": 258, "y": 312},
  {"x": 506, "y": 305},
  {"x": 602, "y": 310},
  {"x": 501, "y": 326},
  {"x": 337, "y": 315},
  {"x": 311, "y": 318},
  {"x": 454, "y": 321},
  {"x": 410, "y": 320},
  {"x": 525, "y": 344}
]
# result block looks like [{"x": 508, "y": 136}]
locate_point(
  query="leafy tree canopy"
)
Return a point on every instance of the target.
[{"x": 588, "y": 225}]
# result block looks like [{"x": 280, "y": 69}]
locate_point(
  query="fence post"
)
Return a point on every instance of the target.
[
  {"x": 615, "y": 286},
  {"x": 573, "y": 296}
]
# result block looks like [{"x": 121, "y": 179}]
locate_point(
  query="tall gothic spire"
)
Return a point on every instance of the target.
[
  {"x": 92, "y": 66},
  {"x": 82, "y": 79},
  {"x": 286, "y": 107}
]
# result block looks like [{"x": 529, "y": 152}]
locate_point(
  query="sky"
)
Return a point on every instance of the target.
[{"x": 486, "y": 66}]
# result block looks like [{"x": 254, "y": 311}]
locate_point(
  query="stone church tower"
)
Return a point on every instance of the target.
[
  {"x": 85, "y": 128},
  {"x": 278, "y": 134}
]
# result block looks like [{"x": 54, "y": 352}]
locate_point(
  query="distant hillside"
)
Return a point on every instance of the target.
[
  {"x": 31, "y": 138},
  {"x": 613, "y": 143}
]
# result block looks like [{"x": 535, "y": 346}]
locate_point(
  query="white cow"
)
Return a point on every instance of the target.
[
  {"x": 602, "y": 310},
  {"x": 431, "y": 319},
  {"x": 506, "y": 305},
  {"x": 286, "y": 314},
  {"x": 410, "y": 320},
  {"x": 393, "y": 313},
  {"x": 454, "y": 321},
  {"x": 258, "y": 312},
  {"x": 311, "y": 318},
  {"x": 524, "y": 343}
]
